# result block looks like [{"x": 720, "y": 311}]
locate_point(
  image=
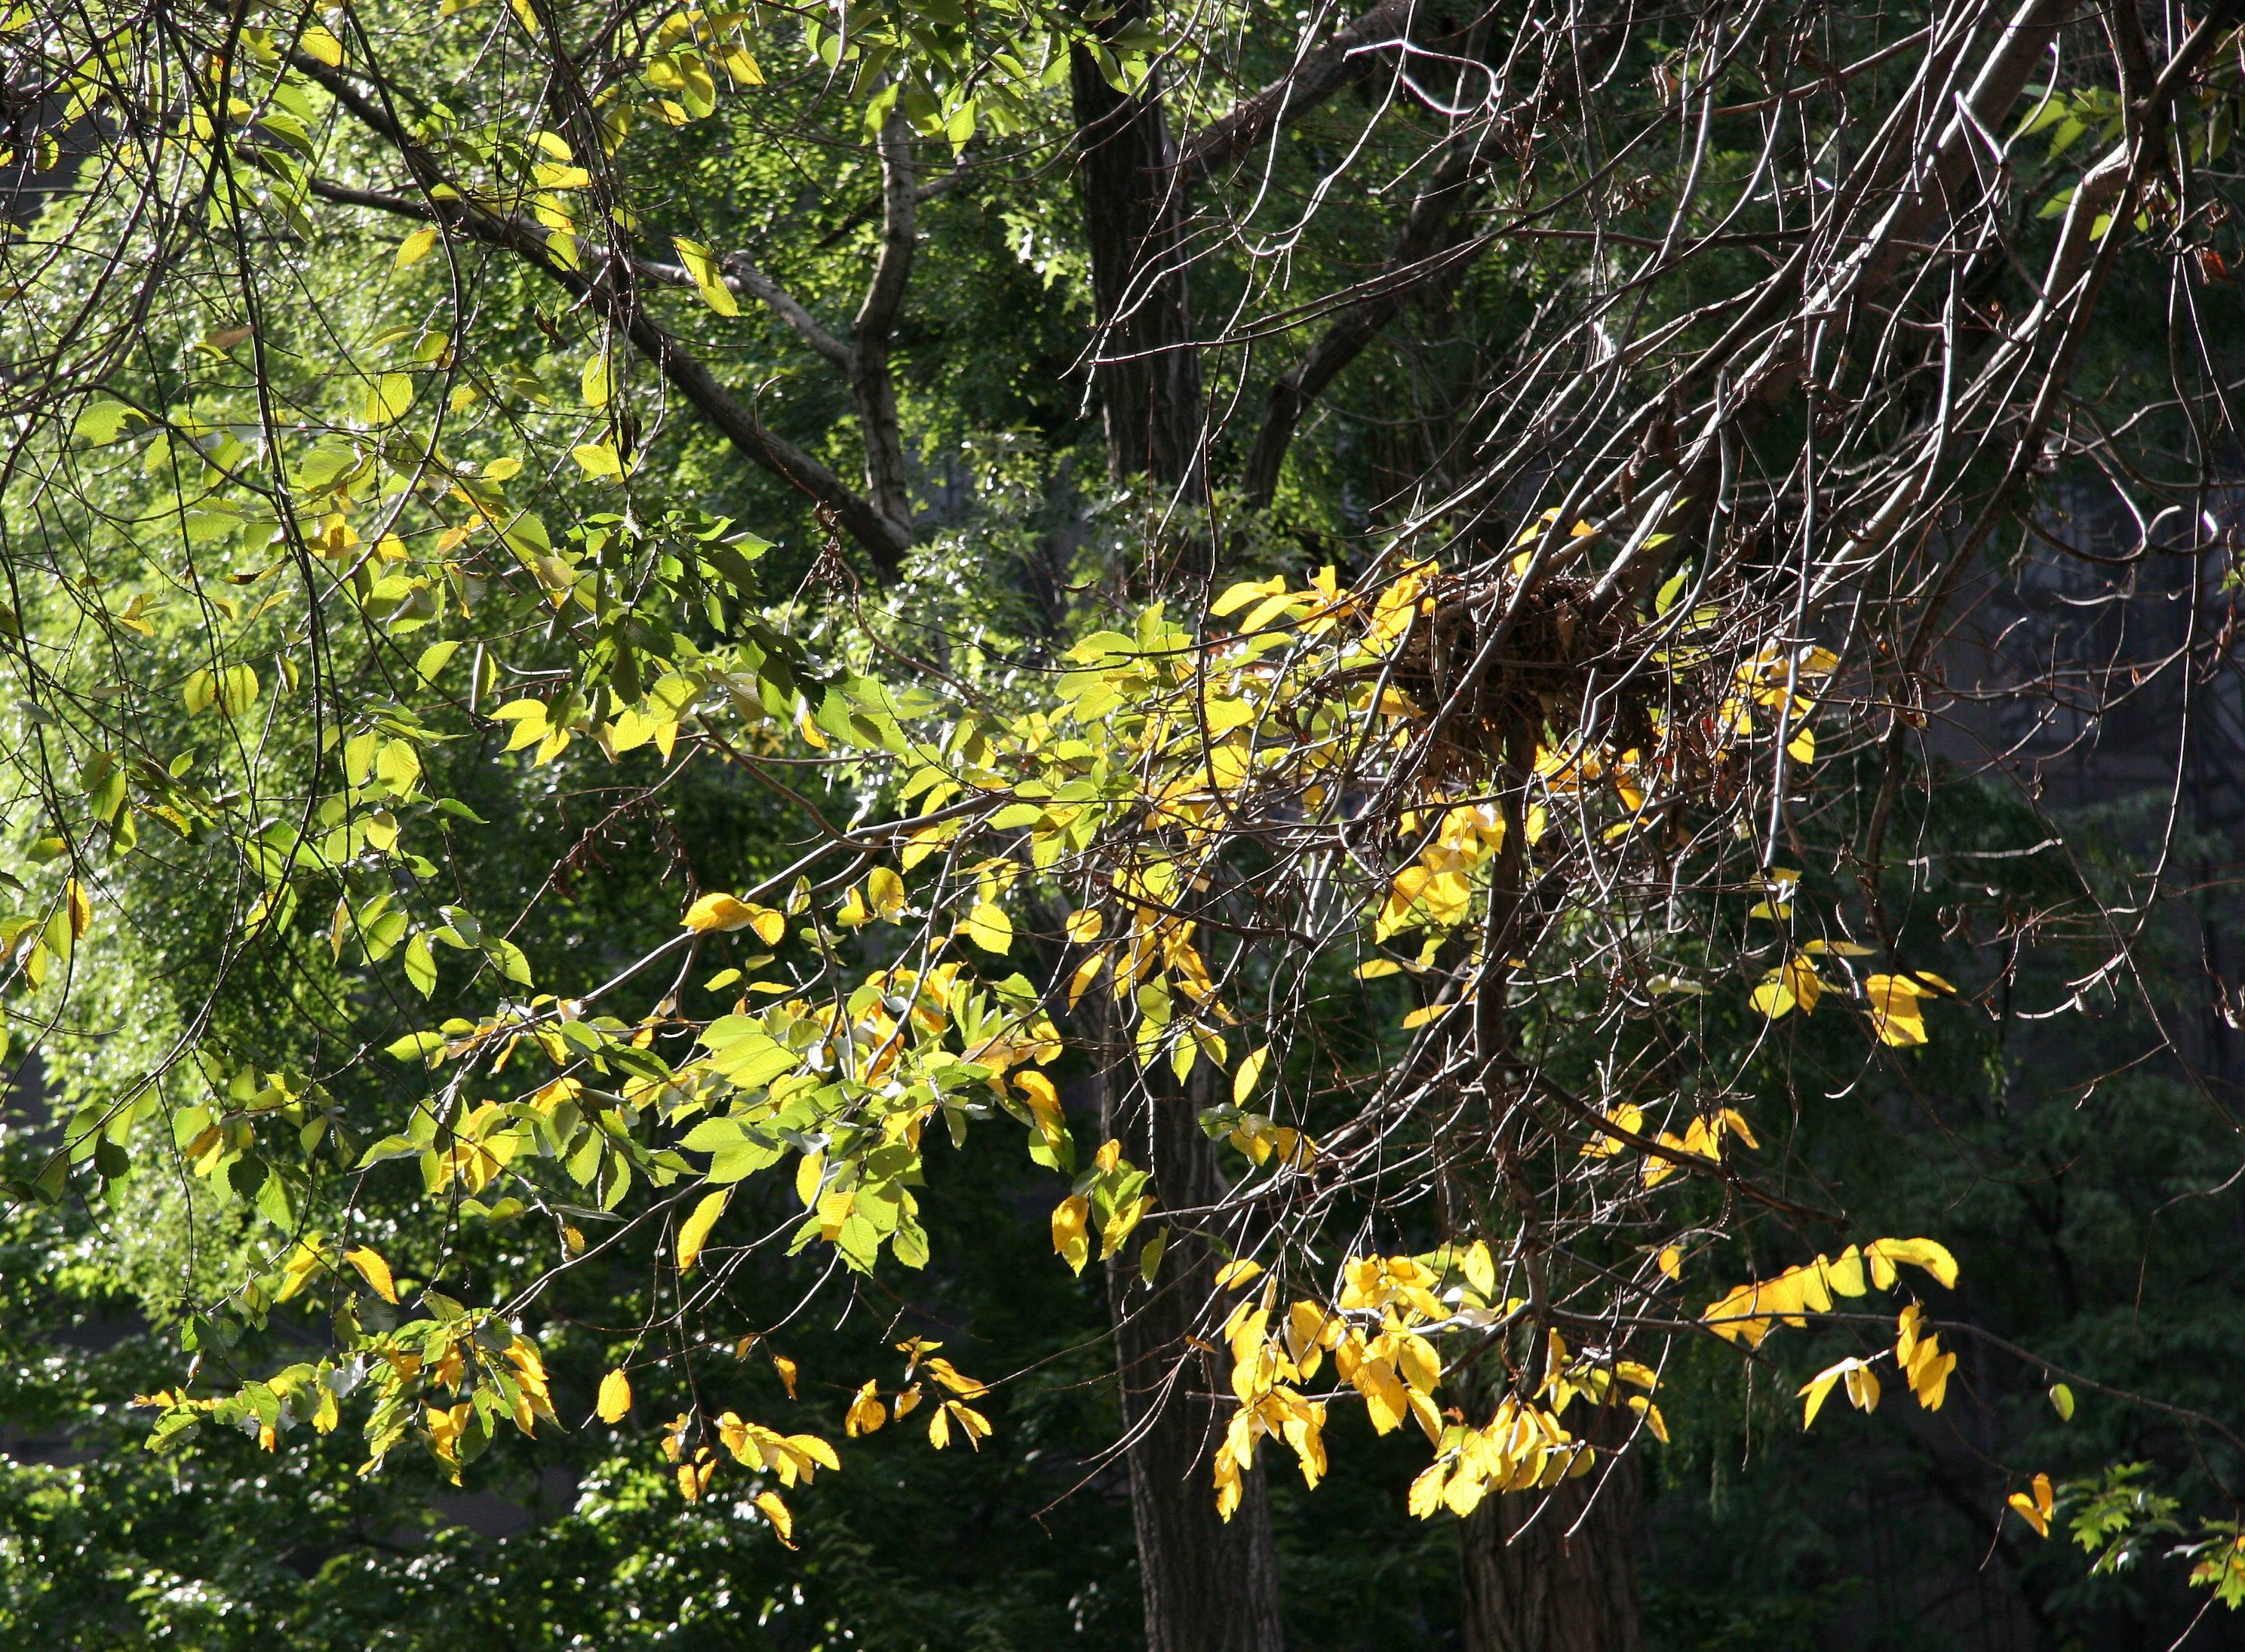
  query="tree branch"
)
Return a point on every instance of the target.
[
  {"x": 1317, "y": 73},
  {"x": 884, "y": 540},
  {"x": 1425, "y": 250},
  {"x": 871, "y": 382},
  {"x": 744, "y": 277}
]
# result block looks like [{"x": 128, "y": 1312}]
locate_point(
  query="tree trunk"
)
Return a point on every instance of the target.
[
  {"x": 1145, "y": 370},
  {"x": 1531, "y": 1588},
  {"x": 1210, "y": 1586}
]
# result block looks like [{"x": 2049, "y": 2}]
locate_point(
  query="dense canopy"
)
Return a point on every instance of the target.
[{"x": 939, "y": 825}]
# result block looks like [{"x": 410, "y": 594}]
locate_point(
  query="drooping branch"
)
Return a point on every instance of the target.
[
  {"x": 1923, "y": 180},
  {"x": 883, "y": 539}
]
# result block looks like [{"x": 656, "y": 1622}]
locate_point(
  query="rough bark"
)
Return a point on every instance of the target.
[
  {"x": 871, "y": 384},
  {"x": 1144, "y": 370},
  {"x": 1529, "y": 1586},
  {"x": 1210, "y": 1586}
]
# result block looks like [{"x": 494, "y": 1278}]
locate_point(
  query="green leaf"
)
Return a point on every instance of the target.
[
  {"x": 599, "y": 459},
  {"x": 388, "y": 398},
  {"x": 598, "y": 382},
  {"x": 419, "y": 1045},
  {"x": 701, "y": 266},
  {"x": 102, "y": 423},
  {"x": 421, "y": 965},
  {"x": 388, "y": 1147},
  {"x": 909, "y": 1243},
  {"x": 1149, "y": 1257},
  {"x": 433, "y": 659},
  {"x": 415, "y": 246},
  {"x": 273, "y": 1201},
  {"x": 1669, "y": 592}
]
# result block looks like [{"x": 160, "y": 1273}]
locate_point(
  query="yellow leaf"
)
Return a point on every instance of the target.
[
  {"x": 1251, "y": 1070},
  {"x": 1420, "y": 1365},
  {"x": 1236, "y": 1273},
  {"x": 1928, "y": 1254},
  {"x": 1929, "y": 1376},
  {"x": 1672, "y": 1261},
  {"x": 2062, "y": 1397},
  {"x": 1772, "y": 999},
  {"x": 886, "y": 890},
  {"x": 953, "y": 1378},
  {"x": 597, "y": 384},
  {"x": 694, "y": 1232},
  {"x": 2036, "y": 1510},
  {"x": 598, "y": 459},
  {"x": 1086, "y": 973},
  {"x": 708, "y": 280},
  {"x": 775, "y": 1511},
  {"x": 615, "y": 1396},
  {"x": 1845, "y": 1275},
  {"x": 866, "y": 1414},
  {"x": 989, "y": 928},
  {"x": 1895, "y": 1014},
  {"x": 415, "y": 246},
  {"x": 717, "y": 913},
  {"x": 374, "y": 1271},
  {"x": 1269, "y": 609},
  {"x": 1480, "y": 1268},
  {"x": 1818, "y": 1388},
  {"x": 1069, "y": 1219},
  {"x": 972, "y": 1423},
  {"x": 319, "y": 43},
  {"x": 1085, "y": 926},
  {"x": 1426, "y": 1495},
  {"x": 81, "y": 909},
  {"x": 1245, "y": 591},
  {"x": 809, "y": 1172},
  {"x": 722, "y": 912}
]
